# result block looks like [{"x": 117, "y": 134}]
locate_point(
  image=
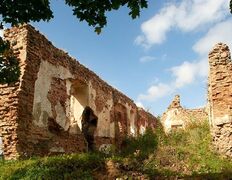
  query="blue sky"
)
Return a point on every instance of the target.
[{"x": 152, "y": 58}]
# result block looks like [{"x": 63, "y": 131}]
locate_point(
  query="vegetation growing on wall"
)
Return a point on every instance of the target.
[{"x": 9, "y": 65}]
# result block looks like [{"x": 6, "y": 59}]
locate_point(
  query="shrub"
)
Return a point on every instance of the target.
[{"x": 141, "y": 146}]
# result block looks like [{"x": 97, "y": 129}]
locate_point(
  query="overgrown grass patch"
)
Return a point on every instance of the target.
[
  {"x": 183, "y": 153},
  {"x": 61, "y": 167},
  {"x": 188, "y": 153},
  {"x": 141, "y": 146}
]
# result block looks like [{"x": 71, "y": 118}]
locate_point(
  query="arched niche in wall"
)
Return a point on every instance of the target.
[
  {"x": 121, "y": 124},
  {"x": 79, "y": 100},
  {"x": 132, "y": 123}
]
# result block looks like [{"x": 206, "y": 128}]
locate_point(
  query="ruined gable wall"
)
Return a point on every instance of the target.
[
  {"x": 178, "y": 117},
  {"x": 53, "y": 87},
  {"x": 220, "y": 98}
]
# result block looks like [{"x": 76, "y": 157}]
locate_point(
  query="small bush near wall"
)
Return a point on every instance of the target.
[
  {"x": 189, "y": 153},
  {"x": 140, "y": 146}
]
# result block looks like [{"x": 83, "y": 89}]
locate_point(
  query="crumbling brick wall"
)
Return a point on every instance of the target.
[
  {"x": 9, "y": 99},
  {"x": 178, "y": 117},
  {"x": 220, "y": 98},
  {"x": 40, "y": 114}
]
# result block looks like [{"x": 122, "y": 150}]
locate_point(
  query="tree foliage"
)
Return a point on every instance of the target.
[
  {"x": 91, "y": 11},
  {"x": 23, "y": 11},
  {"x": 231, "y": 6},
  {"x": 9, "y": 65}
]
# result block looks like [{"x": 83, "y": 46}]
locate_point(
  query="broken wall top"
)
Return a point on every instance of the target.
[
  {"x": 36, "y": 39},
  {"x": 175, "y": 103}
]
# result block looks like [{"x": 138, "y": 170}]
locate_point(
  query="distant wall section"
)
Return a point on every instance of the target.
[{"x": 177, "y": 117}]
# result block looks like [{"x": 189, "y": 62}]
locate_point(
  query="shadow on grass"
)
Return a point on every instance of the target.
[{"x": 157, "y": 175}]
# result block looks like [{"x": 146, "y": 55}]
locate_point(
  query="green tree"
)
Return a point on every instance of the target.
[
  {"x": 23, "y": 11},
  {"x": 9, "y": 65},
  {"x": 231, "y": 6}
]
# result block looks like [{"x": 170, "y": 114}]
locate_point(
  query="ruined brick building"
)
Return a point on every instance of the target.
[
  {"x": 40, "y": 114},
  {"x": 218, "y": 110},
  {"x": 178, "y": 117}
]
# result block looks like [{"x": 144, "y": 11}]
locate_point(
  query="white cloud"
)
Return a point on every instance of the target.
[
  {"x": 187, "y": 16},
  {"x": 221, "y": 32},
  {"x": 193, "y": 14},
  {"x": 155, "y": 92},
  {"x": 1, "y": 33},
  {"x": 145, "y": 59},
  {"x": 188, "y": 72},
  {"x": 140, "y": 104},
  {"x": 154, "y": 30},
  {"x": 184, "y": 74}
]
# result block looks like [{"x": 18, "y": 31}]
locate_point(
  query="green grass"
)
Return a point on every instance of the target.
[
  {"x": 78, "y": 166},
  {"x": 186, "y": 154}
]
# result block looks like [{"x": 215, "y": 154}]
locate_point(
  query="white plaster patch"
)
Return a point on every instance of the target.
[
  {"x": 61, "y": 117},
  {"x": 68, "y": 87},
  {"x": 104, "y": 127},
  {"x": 142, "y": 130},
  {"x": 79, "y": 100},
  {"x": 223, "y": 120},
  {"x": 132, "y": 120},
  {"x": 92, "y": 97},
  {"x": 41, "y": 105}
]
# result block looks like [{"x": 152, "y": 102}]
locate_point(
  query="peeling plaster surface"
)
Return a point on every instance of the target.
[
  {"x": 92, "y": 97},
  {"x": 76, "y": 115},
  {"x": 104, "y": 121},
  {"x": 131, "y": 116},
  {"x": 142, "y": 129},
  {"x": 79, "y": 100},
  {"x": 42, "y": 106},
  {"x": 61, "y": 118}
]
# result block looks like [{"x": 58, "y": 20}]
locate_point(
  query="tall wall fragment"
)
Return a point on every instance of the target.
[
  {"x": 220, "y": 98},
  {"x": 41, "y": 114}
]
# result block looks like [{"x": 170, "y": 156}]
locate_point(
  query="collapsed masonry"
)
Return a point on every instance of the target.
[
  {"x": 219, "y": 107},
  {"x": 178, "y": 117},
  {"x": 220, "y": 98},
  {"x": 41, "y": 114}
]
